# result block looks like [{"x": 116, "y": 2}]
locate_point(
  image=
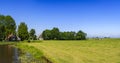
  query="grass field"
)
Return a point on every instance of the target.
[{"x": 85, "y": 51}]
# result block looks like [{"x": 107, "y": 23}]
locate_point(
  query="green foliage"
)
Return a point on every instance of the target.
[
  {"x": 2, "y": 32},
  {"x": 32, "y": 50},
  {"x": 10, "y": 25},
  {"x": 23, "y": 31},
  {"x": 67, "y": 35},
  {"x": 55, "y": 34},
  {"x": 32, "y": 34},
  {"x": 81, "y": 35},
  {"x": 46, "y": 34},
  {"x": 51, "y": 34},
  {"x": 7, "y": 26}
]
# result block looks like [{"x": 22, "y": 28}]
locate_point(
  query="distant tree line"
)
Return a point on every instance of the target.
[
  {"x": 8, "y": 28},
  {"x": 8, "y": 31},
  {"x": 55, "y": 34}
]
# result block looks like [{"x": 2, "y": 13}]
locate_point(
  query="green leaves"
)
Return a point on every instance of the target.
[
  {"x": 47, "y": 34},
  {"x": 81, "y": 35},
  {"x": 7, "y": 26},
  {"x": 23, "y": 31},
  {"x": 55, "y": 34},
  {"x": 32, "y": 34}
]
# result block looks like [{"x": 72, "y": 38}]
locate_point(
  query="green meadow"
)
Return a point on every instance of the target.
[
  {"x": 81, "y": 51},
  {"x": 73, "y": 51}
]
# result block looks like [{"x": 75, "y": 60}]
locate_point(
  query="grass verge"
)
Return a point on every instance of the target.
[{"x": 32, "y": 50}]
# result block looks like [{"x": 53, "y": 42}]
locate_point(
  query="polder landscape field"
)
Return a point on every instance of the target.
[
  {"x": 81, "y": 51},
  {"x": 59, "y": 31}
]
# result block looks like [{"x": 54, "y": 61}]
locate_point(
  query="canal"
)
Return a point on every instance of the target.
[{"x": 9, "y": 54}]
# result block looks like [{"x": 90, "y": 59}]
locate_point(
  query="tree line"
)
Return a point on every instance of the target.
[
  {"x": 55, "y": 34},
  {"x": 8, "y": 28}
]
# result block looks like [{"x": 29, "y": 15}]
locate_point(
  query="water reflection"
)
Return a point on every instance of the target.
[
  {"x": 16, "y": 56},
  {"x": 8, "y": 54}
]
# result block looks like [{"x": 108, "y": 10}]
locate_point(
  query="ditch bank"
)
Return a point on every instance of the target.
[
  {"x": 31, "y": 55},
  {"x": 19, "y": 53}
]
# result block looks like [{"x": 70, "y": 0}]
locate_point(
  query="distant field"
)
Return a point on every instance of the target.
[{"x": 86, "y": 51}]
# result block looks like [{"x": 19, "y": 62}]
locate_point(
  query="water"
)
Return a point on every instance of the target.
[{"x": 8, "y": 54}]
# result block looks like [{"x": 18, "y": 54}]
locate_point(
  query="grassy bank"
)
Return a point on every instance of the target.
[
  {"x": 32, "y": 50},
  {"x": 7, "y": 43},
  {"x": 37, "y": 54},
  {"x": 85, "y": 51}
]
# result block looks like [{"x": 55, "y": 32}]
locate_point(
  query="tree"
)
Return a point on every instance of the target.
[
  {"x": 62, "y": 36},
  {"x": 2, "y": 32},
  {"x": 23, "y": 31},
  {"x": 67, "y": 35},
  {"x": 2, "y": 27},
  {"x": 32, "y": 34},
  {"x": 51, "y": 34},
  {"x": 71, "y": 35},
  {"x": 10, "y": 25},
  {"x": 35, "y": 37},
  {"x": 81, "y": 35},
  {"x": 55, "y": 33},
  {"x": 7, "y": 26},
  {"x": 46, "y": 34}
]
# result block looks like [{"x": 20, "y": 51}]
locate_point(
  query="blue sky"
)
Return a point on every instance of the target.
[{"x": 95, "y": 17}]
